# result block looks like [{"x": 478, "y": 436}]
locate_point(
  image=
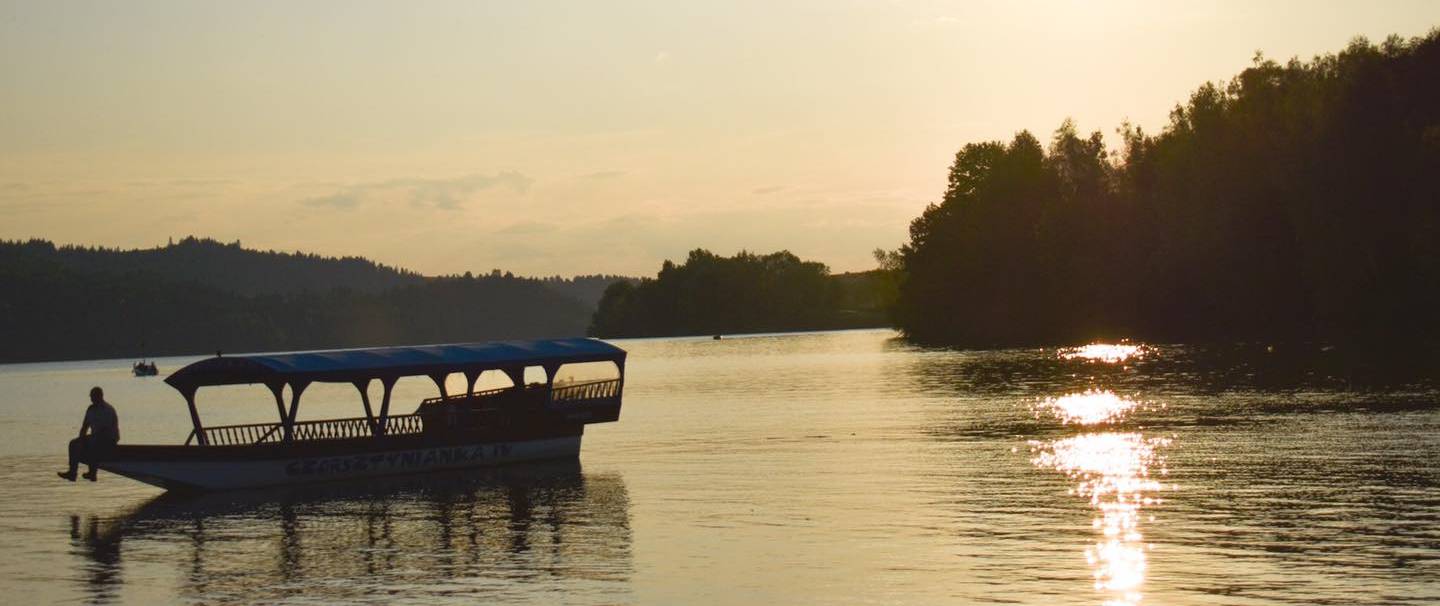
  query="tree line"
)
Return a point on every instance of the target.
[
  {"x": 201, "y": 296},
  {"x": 709, "y": 294},
  {"x": 1298, "y": 201},
  {"x": 227, "y": 266}
]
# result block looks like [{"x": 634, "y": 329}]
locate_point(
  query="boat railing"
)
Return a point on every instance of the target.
[
  {"x": 307, "y": 431},
  {"x": 464, "y": 396},
  {"x": 568, "y": 392},
  {"x": 360, "y": 427},
  {"x": 590, "y": 390}
]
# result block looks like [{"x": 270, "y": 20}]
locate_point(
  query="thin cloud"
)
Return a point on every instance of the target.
[
  {"x": 23, "y": 207},
  {"x": 602, "y": 175},
  {"x": 202, "y": 182},
  {"x": 343, "y": 200},
  {"x": 760, "y": 191},
  {"x": 443, "y": 194},
  {"x": 527, "y": 228}
]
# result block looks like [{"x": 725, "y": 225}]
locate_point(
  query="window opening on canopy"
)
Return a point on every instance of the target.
[{"x": 586, "y": 372}]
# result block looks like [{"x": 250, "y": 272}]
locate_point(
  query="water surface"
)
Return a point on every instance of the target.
[{"x": 841, "y": 467}]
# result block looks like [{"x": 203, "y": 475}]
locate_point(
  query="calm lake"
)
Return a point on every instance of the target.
[{"x": 844, "y": 467}]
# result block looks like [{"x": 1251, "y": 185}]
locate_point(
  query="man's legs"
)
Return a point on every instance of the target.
[
  {"x": 77, "y": 453},
  {"x": 96, "y": 450},
  {"x": 90, "y": 452}
]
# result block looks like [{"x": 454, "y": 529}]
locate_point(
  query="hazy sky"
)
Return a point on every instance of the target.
[{"x": 581, "y": 137}]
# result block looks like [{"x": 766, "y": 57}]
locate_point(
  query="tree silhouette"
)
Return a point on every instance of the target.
[
  {"x": 1295, "y": 201},
  {"x": 710, "y": 294}
]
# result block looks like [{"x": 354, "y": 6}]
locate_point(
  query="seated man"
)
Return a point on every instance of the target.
[{"x": 104, "y": 427}]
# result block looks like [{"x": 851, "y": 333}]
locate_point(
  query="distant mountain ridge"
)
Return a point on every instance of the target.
[
  {"x": 244, "y": 271},
  {"x": 200, "y": 295},
  {"x": 223, "y": 266}
]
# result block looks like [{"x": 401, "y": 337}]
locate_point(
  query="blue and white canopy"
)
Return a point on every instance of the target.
[{"x": 350, "y": 365}]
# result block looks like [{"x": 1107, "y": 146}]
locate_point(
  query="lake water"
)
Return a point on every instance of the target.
[{"x": 836, "y": 468}]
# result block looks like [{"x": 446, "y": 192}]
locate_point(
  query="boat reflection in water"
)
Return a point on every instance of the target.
[{"x": 503, "y": 533}]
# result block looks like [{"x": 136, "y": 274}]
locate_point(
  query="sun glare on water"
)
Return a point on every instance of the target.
[
  {"x": 1088, "y": 408},
  {"x": 1112, "y": 470},
  {"x": 1109, "y": 353}
]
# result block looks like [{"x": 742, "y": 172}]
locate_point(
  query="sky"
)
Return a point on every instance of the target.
[{"x": 566, "y": 138}]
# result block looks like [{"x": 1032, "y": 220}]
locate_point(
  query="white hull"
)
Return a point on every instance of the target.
[{"x": 240, "y": 473}]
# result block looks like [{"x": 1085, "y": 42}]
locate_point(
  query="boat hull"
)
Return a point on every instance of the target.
[{"x": 194, "y": 469}]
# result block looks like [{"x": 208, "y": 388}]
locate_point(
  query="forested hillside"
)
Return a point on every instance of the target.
[
  {"x": 585, "y": 289},
  {"x": 224, "y": 266},
  {"x": 1298, "y": 201},
  {"x": 710, "y": 294},
  {"x": 202, "y": 296}
]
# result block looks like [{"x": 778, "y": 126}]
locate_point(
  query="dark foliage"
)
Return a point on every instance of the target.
[
  {"x": 56, "y": 308},
  {"x": 585, "y": 289},
  {"x": 1295, "y": 202},
  {"x": 747, "y": 293},
  {"x": 223, "y": 266}
]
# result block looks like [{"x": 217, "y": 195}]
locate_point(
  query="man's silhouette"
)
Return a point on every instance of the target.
[{"x": 104, "y": 427}]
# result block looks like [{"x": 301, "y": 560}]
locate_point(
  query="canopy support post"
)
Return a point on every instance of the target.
[
  {"x": 471, "y": 376},
  {"x": 195, "y": 418},
  {"x": 388, "y": 383},
  {"x": 364, "y": 386},
  {"x": 279, "y": 390},
  {"x": 550, "y": 371},
  {"x": 517, "y": 376},
  {"x": 296, "y": 389},
  {"x": 620, "y": 389},
  {"x": 439, "y": 379}
]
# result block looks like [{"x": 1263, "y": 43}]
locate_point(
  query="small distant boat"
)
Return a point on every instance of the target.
[
  {"x": 524, "y": 422},
  {"x": 145, "y": 369}
]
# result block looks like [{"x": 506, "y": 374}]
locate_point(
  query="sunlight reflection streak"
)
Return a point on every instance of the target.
[
  {"x": 1110, "y": 353},
  {"x": 1112, "y": 470},
  {"x": 1088, "y": 408}
]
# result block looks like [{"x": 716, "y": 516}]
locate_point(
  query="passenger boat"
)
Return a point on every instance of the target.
[
  {"x": 145, "y": 369},
  {"x": 523, "y": 422}
]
